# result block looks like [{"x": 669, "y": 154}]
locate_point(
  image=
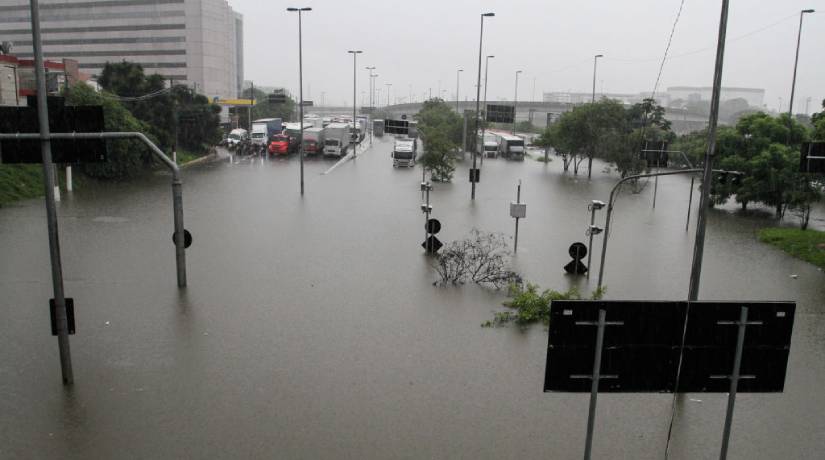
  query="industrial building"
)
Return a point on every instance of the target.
[{"x": 195, "y": 42}]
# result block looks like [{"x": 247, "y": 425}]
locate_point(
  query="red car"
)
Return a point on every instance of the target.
[{"x": 279, "y": 144}]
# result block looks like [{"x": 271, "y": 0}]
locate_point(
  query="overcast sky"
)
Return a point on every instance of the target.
[{"x": 416, "y": 44}]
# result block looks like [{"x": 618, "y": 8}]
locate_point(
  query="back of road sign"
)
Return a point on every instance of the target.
[{"x": 641, "y": 351}]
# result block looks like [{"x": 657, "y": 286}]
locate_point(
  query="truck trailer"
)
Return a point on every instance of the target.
[
  {"x": 336, "y": 139},
  {"x": 264, "y": 128}
]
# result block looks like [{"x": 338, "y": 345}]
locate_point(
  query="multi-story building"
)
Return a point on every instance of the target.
[{"x": 196, "y": 42}]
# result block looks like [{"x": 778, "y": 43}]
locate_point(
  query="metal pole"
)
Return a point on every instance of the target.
[
  {"x": 590, "y": 243},
  {"x": 51, "y": 211},
  {"x": 734, "y": 381},
  {"x": 610, "y": 210},
  {"x": 486, "y": 67},
  {"x": 793, "y": 82},
  {"x": 594, "y": 386},
  {"x": 690, "y": 203},
  {"x": 518, "y": 200},
  {"x": 698, "y": 250},
  {"x": 656, "y": 179},
  {"x": 457, "y": 82},
  {"x": 478, "y": 96},
  {"x": 427, "y": 219},
  {"x": 595, "y": 60},
  {"x": 249, "y": 107},
  {"x": 515, "y": 103},
  {"x": 301, "y": 97}
]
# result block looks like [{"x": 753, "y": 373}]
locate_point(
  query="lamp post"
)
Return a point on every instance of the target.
[
  {"x": 457, "y": 97},
  {"x": 370, "y": 69},
  {"x": 793, "y": 82},
  {"x": 354, "y": 53},
  {"x": 300, "y": 90},
  {"x": 595, "y": 60},
  {"x": 486, "y": 66},
  {"x": 388, "y": 93},
  {"x": 515, "y": 103},
  {"x": 478, "y": 96}
]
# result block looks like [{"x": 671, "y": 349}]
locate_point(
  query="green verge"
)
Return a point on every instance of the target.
[
  {"x": 20, "y": 182},
  {"x": 808, "y": 245}
]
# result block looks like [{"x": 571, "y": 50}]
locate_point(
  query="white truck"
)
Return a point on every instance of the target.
[
  {"x": 336, "y": 139},
  {"x": 404, "y": 152},
  {"x": 511, "y": 147},
  {"x": 488, "y": 148},
  {"x": 236, "y": 136},
  {"x": 264, "y": 128}
]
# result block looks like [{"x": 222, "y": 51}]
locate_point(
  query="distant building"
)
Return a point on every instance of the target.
[
  {"x": 196, "y": 42},
  {"x": 754, "y": 96},
  {"x": 17, "y": 78}
]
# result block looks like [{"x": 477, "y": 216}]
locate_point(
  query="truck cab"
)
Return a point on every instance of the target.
[
  {"x": 279, "y": 145},
  {"x": 404, "y": 152},
  {"x": 511, "y": 147}
]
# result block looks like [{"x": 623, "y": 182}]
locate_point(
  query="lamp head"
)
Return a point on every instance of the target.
[
  {"x": 489, "y": 15},
  {"x": 808, "y": 11}
]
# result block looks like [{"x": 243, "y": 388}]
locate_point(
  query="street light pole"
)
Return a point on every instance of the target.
[
  {"x": 793, "y": 82},
  {"x": 388, "y": 93},
  {"x": 515, "y": 103},
  {"x": 457, "y": 97},
  {"x": 595, "y": 60},
  {"x": 354, "y": 53},
  {"x": 486, "y": 67},
  {"x": 370, "y": 85},
  {"x": 300, "y": 90},
  {"x": 478, "y": 96}
]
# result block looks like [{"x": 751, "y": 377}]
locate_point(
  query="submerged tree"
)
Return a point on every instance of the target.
[{"x": 482, "y": 258}]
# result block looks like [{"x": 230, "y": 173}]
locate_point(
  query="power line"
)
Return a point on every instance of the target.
[{"x": 667, "y": 49}]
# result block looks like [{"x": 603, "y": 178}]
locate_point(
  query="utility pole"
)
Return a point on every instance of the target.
[
  {"x": 483, "y": 126},
  {"x": 300, "y": 90},
  {"x": 388, "y": 93},
  {"x": 51, "y": 211},
  {"x": 592, "y": 100},
  {"x": 515, "y": 103},
  {"x": 249, "y": 107},
  {"x": 793, "y": 82},
  {"x": 354, "y": 53},
  {"x": 707, "y": 176},
  {"x": 457, "y": 97}
]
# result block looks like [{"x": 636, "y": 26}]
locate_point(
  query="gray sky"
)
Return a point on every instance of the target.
[{"x": 416, "y": 44}]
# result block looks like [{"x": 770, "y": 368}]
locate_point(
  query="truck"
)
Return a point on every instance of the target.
[
  {"x": 488, "y": 148},
  {"x": 378, "y": 128},
  {"x": 264, "y": 128},
  {"x": 313, "y": 140},
  {"x": 404, "y": 152},
  {"x": 336, "y": 139},
  {"x": 236, "y": 136},
  {"x": 511, "y": 147}
]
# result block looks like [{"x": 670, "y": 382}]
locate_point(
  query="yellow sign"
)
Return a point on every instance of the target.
[{"x": 235, "y": 102}]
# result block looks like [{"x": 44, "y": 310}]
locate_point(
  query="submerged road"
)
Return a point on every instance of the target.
[{"x": 311, "y": 329}]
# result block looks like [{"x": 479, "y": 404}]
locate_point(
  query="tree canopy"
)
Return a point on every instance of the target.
[{"x": 441, "y": 130}]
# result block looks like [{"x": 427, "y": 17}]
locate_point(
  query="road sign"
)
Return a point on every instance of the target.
[
  {"x": 234, "y": 102},
  {"x": 500, "y": 113},
  {"x": 432, "y": 244},
  {"x": 812, "y": 159},
  {"x": 396, "y": 126},
  {"x": 62, "y": 119},
  {"x": 404, "y": 116},
  {"x": 69, "y": 302},
  {"x": 655, "y": 154},
  {"x": 433, "y": 226},
  {"x": 577, "y": 251},
  {"x": 518, "y": 210},
  {"x": 187, "y": 238},
  {"x": 643, "y": 354},
  {"x": 475, "y": 175},
  {"x": 307, "y": 104}
]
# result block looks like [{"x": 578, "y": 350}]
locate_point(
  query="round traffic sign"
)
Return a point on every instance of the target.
[
  {"x": 187, "y": 238},
  {"x": 433, "y": 226},
  {"x": 577, "y": 250}
]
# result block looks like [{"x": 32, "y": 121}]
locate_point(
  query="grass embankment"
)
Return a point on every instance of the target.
[
  {"x": 808, "y": 245},
  {"x": 20, "y": 182},
  {"x": 185, "y": 156}
]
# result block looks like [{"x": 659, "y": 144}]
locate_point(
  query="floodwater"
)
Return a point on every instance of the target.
[{"x": 311, "y": 329}]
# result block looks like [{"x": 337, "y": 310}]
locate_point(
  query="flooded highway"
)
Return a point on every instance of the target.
[{"x": 310, "y": 327}]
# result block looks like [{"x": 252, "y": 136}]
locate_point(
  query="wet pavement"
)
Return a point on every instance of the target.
[{"x": 311, "y": 329}]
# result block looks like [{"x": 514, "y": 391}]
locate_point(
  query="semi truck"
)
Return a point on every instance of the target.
[
  {"x": 488, "y": 148},
  {"x": 336, "y": 139},
  {"x": 313, "y": 140},
  {"x": 264, "y": 128},
  {"x": 404, "y": 152},
  {"x": 511, "y": 147}
]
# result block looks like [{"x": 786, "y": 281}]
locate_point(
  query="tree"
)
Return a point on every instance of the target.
[
  {"x": 125, "y": 157},
  {"x": 175, "y": 116},
  {"x": 263, "y": 109},
  {"x": 441, "y": 130}
]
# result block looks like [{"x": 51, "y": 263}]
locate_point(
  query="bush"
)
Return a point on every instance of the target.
[
  {"x": 531, "y": 307},
  {"x": 482, "y": 258}
]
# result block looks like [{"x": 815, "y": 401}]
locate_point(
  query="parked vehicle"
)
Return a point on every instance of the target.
[
  {"x": 404, "y": 152},
  {"x": 378, "y": 128},
  {"x": 511, "y": 147},
  {"x": 313, "y": 140},
  {"x": 236, "y": 136},
  {"x": 336, "y": 139},
  {"x": 264, "y": 128},
  {"x": 314, "y": 121},
  {"x": 279, "y": 144}
]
